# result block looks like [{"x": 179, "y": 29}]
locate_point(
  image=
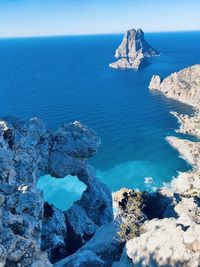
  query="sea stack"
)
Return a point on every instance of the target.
[{"x": 133, "y": 51}]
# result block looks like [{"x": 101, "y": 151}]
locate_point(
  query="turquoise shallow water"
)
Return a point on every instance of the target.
[{"x": 62, "y": 79}]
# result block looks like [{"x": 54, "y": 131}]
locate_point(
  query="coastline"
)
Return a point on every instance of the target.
[
  {"x": 187, "y": 182},
  {"x": 183, "y": 86},
  {"x": 159, "y": 229},
  {"x": 171, "y": 236}
]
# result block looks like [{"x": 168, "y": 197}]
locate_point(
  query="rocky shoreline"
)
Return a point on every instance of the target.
[
  {"x": 172, "y": 237},
  {"x": 34, "y": 233},
  {"x": 159, "y": 229}
]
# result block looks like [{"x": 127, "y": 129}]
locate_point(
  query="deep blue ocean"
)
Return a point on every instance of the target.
[{"x": 62, "y": 79}]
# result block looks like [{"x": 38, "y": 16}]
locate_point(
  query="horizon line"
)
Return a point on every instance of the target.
[{"x": 89, "y": 34}]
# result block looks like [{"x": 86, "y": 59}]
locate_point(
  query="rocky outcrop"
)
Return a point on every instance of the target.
[
  {"x": 172, "y": 237},
  {"x": 155, "y": 82},
  {"x": 133, "y": 51},
  {"x": 129, "y": 63},
  {"x": 165, "y": 242},
  {"x": 182, "y": 86},
  {"x": 189, "y": 150},
  {"x": 102, "y": 250},
  {"x": 34, "y": 233},
  {"x": 188, "y": 124}
]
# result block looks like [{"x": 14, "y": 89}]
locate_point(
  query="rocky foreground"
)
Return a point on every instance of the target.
[
  {"x": 160, "y": 229},
  {"x": 34, "y": 233},
  {"x": 133, "y": 51}
]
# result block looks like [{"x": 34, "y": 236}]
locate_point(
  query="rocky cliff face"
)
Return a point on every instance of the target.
[
  {"x": 32, "y": 232},
  {"x": 183, "y": 86},
  {"x": 133, "y": 50},
  {"x": 171, "y": 237}
]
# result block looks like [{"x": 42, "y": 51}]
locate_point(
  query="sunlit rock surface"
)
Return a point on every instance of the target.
[
  {"x": 133, "y": 51},
  {"x": 183, "y": 86}
]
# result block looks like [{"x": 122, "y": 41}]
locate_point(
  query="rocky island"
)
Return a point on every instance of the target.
[
  {"x": 147, "y": 229},
  {"x": 133, "y": 51}
]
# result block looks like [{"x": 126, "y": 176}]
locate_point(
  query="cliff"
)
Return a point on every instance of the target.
[
  {"x": 182, "y": 86},
  {"x": 133, "y": 51},
  {"x": 170, "y": 236},
  {"x": 34, "y": 233}
]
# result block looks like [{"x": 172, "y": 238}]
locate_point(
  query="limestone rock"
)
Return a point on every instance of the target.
[
  {"x": 165, "y": 243},
  {"x": 183, "y": 86},
  {"x": 71, "y": 145},
  {"x": 104, "y": 245},
  {"x": 29, "y": 228},
  {"x": 133, "y": 50},
  {"x": 189, "y": 150},
  {"x": 54, "y": 233},
  {"x": 188, "y": 124},
  {"x": 133, "y": 42},
  {"x": 82, "y": 259},
  {"x": 80, "y": 227},
  {"x": 129, "y": 63},
  {"x": 155, "y": 82}
]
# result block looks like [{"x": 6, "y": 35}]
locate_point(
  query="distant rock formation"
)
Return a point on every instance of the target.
[{"x": 132, "y": 51}]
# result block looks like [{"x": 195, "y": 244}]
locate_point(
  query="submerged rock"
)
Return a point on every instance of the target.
[{"x": 133, "y": 51}]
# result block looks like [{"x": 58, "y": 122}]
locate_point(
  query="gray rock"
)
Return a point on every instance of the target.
[
  {"x": 80, "y": 227},
  {"x": 2, "y": 199},
  {"x": 182, "y": 86},
  {"x": 164, "y": 243},
  {"x": 155, "y": 82},
  {"x": 104, "y": 245},
  {"x": 133, "y": 51},
  {"x": 29, "y": 228},
  {"x": 84, "y": 258},
  {"x": 54, "y": 232}
]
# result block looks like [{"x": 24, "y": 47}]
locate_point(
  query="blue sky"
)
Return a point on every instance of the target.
[{"x": 69, "y": 17}]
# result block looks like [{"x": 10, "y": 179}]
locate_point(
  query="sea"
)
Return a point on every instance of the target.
[{"x": 67, "y": 78}]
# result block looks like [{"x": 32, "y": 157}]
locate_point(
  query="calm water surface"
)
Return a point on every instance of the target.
[{"x": 62, "y": 79}]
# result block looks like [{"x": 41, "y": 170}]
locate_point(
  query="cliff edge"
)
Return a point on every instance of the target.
[
  {"x": 32, "y": 232},
  {"x": 171, "y": 234}
]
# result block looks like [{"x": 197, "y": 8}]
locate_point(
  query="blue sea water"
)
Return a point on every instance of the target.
[{"x": 62, "y": 79}]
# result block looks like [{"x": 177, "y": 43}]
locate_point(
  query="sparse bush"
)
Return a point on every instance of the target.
[{"x": 130, "y": 214}]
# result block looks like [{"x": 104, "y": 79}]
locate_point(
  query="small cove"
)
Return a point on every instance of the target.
[{"x": 62, "y": 79}]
